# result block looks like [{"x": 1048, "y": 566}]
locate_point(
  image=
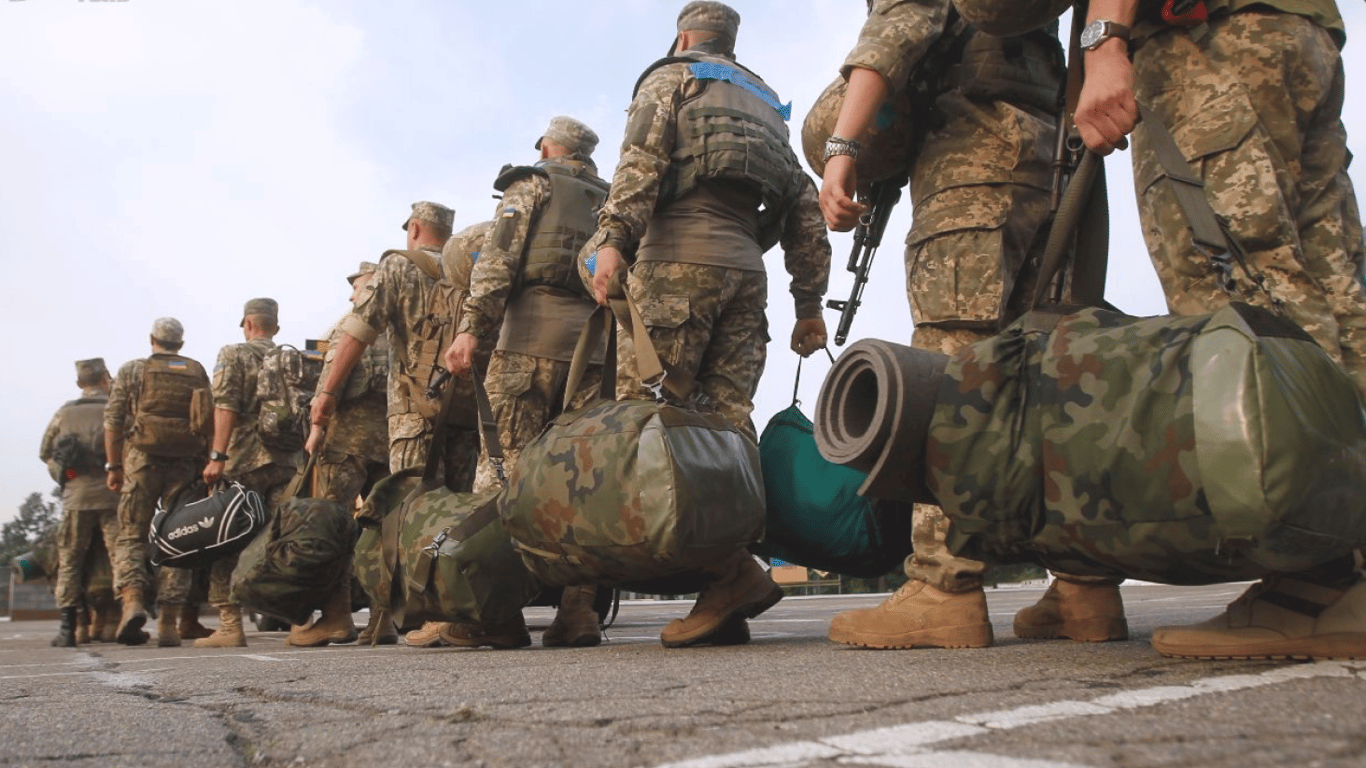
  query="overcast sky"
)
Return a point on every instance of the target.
[{"x": 178, "y": 157}]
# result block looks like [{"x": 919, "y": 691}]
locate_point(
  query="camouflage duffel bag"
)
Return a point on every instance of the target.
[
  {"x": 432, "y": 554},
  {"x": 290, "y": 569},
  {"x": 625, "y": 492},
  {"x": 1187, "y": 450}
]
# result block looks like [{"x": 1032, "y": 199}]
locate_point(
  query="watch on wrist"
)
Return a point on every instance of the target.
[
  {"x": 217, "y": 456},
  {"x": 112, "y": 467},
  {"x": 1101, "y": 30},
  {"x": 837, "y": 146}
]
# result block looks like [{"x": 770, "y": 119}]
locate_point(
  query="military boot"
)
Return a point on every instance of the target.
[
  {"x": 167, "y": 636},
  {"x": 918, "y": 616},
  {"x": 333, "y": 626},
  {"x": 134, "y": 616},
  {"x": 189, "y": 627},
  {"x": 83, "y": 626},
  {"x": 229, "y": 633},
  {"x": 426, "y": 636},
  {"x": 576, "y": 623},
  {"x": 102, "y": 627},
  {"x": 66, "y": 631},
  {"x": 1084, "y": 613},
  {"x": 512, "y": 634},
  {"x": 1277, "y": 618},
  {"x": 741, "y": 588},
  {"x": 379, "y": 630}
]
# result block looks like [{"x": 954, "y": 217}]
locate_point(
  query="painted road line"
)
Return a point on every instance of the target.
[{"x": 910, "y": 745}]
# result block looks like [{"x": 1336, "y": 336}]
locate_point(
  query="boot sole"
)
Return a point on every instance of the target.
[
  {"x": 977, "y": 636},
  {"x": 747, "y": 611},
  {"x": 131, "y": 633},
  {"x": 1087, "y": 631},
  {"x": 1344, "y": 645},
  {"x": 582, "y": 641}
]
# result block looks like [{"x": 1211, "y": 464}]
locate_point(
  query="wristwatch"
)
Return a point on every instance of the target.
[
  {"x": 837, "y": 146},
  {"x": 1101, "y": 30},
  {"x": 217, "y": 456}
]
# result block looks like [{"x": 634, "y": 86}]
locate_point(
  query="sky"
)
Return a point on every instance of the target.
[{"x": 178, "y": 157}]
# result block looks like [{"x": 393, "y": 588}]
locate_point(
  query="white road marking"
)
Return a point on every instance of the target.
[
  {"x": 909, "y": 746},
  {"x": 261, "y": 657}
]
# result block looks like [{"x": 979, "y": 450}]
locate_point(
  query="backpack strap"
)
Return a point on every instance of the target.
[{"x": 430, "y": 266}]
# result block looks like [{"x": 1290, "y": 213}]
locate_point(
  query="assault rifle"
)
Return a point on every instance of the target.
[{"x": 881, "y": 198}]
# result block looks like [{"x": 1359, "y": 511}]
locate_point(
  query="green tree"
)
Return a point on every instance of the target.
[{"x": 36, "y": 517}]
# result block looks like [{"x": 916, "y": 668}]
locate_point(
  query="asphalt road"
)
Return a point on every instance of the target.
[{"x": 791, "y": 698}]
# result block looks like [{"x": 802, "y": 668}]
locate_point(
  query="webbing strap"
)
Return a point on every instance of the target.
[{"x": 708, "y": 70}]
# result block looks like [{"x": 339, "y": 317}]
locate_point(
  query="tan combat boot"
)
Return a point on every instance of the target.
[
  {"x": 1084, "y": 613},
  {"x": 379, "y": 630},
  {"x": 576, "y": 623},
  {"x": 918, "y": 616},
  {"x": 103, "y": 628},
  {"x": 333, "y": 626},
  {"x": 1277, "y": 618},
  {"x": 167, "y": 636},
  {"x": 83, "y": 626},
  {"x": 190, "y": 628},
  {"x": 134, "y": 616},
  {"x": 512, "y": 634},
  {"x": 742, "y": 590},
  {"x": 229, "y": 633},
  {"x": 427, "y": 636}
]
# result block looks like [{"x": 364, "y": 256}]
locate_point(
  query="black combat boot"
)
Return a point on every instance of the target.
[{"x": 66, "y": 633}]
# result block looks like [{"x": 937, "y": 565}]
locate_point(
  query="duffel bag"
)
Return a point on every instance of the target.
[
  {"x": 194, "y": 530},
  {"x": 427, "y": 553},
  {"x": 632, "y": 491},
  {"x": 816, "y": 516}
]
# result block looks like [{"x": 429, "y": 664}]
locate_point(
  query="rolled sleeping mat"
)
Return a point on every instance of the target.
[{"x": 874, "y": 412}]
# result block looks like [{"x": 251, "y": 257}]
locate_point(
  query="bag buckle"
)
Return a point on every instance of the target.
[
  {"x": 497, "y": 462},
  {"x": 437, "y": 542},
  {"x": 656, "y": 387},
  {"x": 1222, "y": 264}
]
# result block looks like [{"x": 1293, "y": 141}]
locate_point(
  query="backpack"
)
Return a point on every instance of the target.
[
  {"x": 429, "y": 338},
  {"x": 285, "y": 385},
  {"x": 173, "y": 417}
]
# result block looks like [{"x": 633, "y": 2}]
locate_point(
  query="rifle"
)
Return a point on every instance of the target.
[{"x": 881, "y": 198}]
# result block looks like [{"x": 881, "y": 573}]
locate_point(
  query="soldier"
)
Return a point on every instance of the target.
[
  {"x": 1253, "y": 94},
  {"x": 238, "y": 452},
  {"x": 417, "y": 310},
  {"x": 155, "y": 450},
  {"x": 73, "y": 449},
  {"x": 353, "y": 458},
  {"x": 526, "y": 283},
  {"x": 687, "y": 215},
  {"x": 980, "y": 187}
]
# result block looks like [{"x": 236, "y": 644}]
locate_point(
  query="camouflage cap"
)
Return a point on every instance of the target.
[
  {"x": 168, "y": 330},
  {"x": 431, "y": 213},
  {"x": 574, "y": 135},
  {"x": 365, "y": 268},
  {"x": 265, "y": 307},
  {"x": 89, "y": 370},
  {"x": 710, "y": 16}
]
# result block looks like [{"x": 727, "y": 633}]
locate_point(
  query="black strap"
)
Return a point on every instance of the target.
[{"x": 488, "y": 424}]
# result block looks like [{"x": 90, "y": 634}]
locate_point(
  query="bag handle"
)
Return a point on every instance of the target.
[{"x": 297, "y": 484}]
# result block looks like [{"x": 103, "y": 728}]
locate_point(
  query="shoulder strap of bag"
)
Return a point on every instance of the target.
[
  {"x": 424, "y": 261},
  {"x": 297, "y": 484}
]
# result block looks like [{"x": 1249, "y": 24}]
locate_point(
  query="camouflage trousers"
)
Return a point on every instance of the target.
[
  {"x": 146, "y": 481},
  {"x": 1255, "y": 106},
  {"x": 270, "y": 481},
  {"x": 525, "y": 393},
  {"x": 344, "y": 478},
  {"x": 76, "y": 538},
  {"x": 458, "y": 461},
  {"x": 707, "y": 322}
]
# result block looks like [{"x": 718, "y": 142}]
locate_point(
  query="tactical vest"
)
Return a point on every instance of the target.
[
  {"x": 173, "y": 415},
  {"x": 428, "y": 339},
  {"x": 83, "y": 420},
  {"x": 562, "y": 226},
  {"x": 736, "y": 130},
  {"x": 1026, "y": 71}
]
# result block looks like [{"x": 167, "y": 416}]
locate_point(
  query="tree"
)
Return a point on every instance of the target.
[{"x": 36, "y": 517}]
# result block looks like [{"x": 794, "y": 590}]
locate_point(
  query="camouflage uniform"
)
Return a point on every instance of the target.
[
  {"x": 704, "y": 308},
  {"x": 980, "y": 187},
  {"x": 525, "y": 390},
  {"x": 1255, "y": 104},
  {"x": 257, "y": 467},
  {"x": 356, "y": 453},
  {"x": 147, "y": 480},
  {"x": 87, "y": 503},
  {"x": 395, "y": 300}
]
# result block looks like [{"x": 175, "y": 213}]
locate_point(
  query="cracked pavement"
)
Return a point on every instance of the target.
[{"x": 789, "y": 698}]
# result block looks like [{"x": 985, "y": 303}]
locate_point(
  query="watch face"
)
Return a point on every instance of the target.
[{"x": 1092, "y": 34}]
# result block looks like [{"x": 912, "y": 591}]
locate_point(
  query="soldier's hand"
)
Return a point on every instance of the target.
[
  {"x": 609, "y": 260},
  {"x": 460, "y": 354},
  {"x": 838, "y": 187},
  {"x": 1106, "y": 109},
  {"x": 213, "y": 472},
  {"x": 808, "y": 336},
  {"x": 316, "y": 433},
  {"x": 114, "y": 479},
  {"x": 324, "y": 403}
]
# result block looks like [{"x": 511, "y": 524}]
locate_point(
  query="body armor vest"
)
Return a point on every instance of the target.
[
  {"x": 83, "y": 419},
  {"x": 162, "y": 423},
  {"x": 562, "y": 227},
  {"x": 1026, "y": 71}
]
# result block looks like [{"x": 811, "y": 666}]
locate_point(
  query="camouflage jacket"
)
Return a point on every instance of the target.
[
  {"x": 1322, "y": 12},
  {"x": 360, "y": 426},
  {"x": 87, "y": 490},
  {"x": 234, "y": 389},
  {"x": 124, "y": 396},
  {"x": 651, "y": 128},
  {"x": 896, "y": 37}
]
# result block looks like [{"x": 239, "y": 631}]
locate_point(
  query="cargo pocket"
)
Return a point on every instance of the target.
[
  {"x": 665, "y": 316},
  {"x": 956, "y": 246}
]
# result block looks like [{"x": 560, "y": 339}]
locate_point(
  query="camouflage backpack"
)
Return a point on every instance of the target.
[{"x": 284, "y": 388}]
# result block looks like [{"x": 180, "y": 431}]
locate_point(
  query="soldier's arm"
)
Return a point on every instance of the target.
[
  {"x": 47, "y": 448},
  {"x": 116, "y": 414},
  {"x": 1106, "y": 109},
  {"x": 806, "y": 255},
  {"x": 343, "y": 358},
  {"x": 229, "y": 382},
  {"x": 224, "y": 422},
  {"x": 500, "y": 260}
]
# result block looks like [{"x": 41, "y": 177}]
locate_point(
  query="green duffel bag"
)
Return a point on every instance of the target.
[
  {"x": 816, "y": 516},
  {"x": 289, "y": 569},
  {"x": 1186, "y": 450},
  {"x": 632, "y": 493}
]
